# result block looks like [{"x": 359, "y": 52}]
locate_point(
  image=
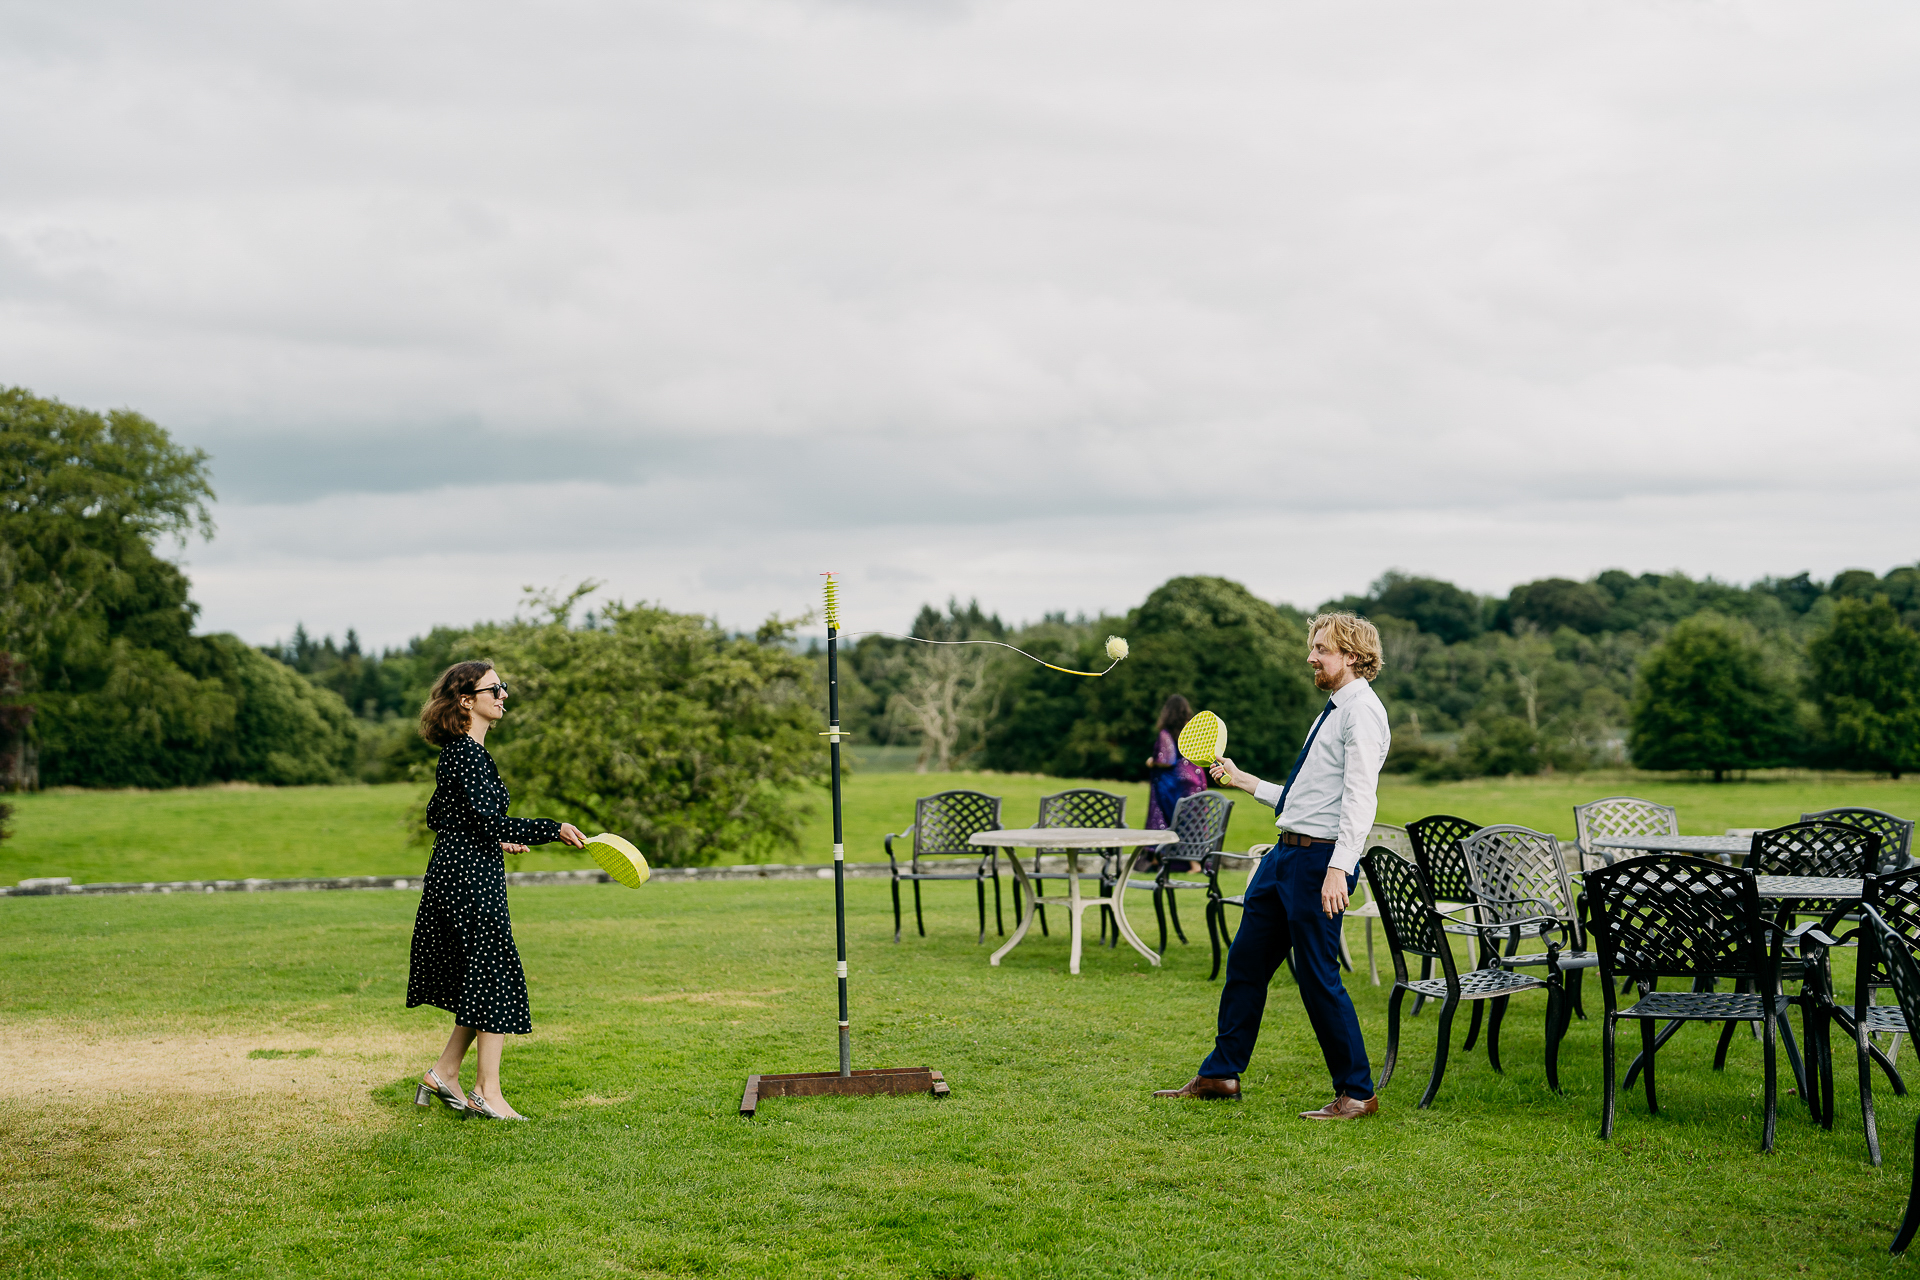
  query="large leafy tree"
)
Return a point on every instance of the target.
[
  {"x": 83, "y": 498},
  {"x": 100, "y": 626},
  {"x": 1710, "y": 697},
  {"x": 1866, "y": 672},
  {"x": 660, "y": 727}
]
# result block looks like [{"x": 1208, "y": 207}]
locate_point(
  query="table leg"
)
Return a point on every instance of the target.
[
  {"x": 1073, "y": 909},
  {"x": 1026, "y": 917},
  {"x": 1119, "y": 905}
]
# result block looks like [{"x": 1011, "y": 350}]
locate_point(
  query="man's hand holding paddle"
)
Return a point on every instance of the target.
[{"x": 1228, "y": 774}]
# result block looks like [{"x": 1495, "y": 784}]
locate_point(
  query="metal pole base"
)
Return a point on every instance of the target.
[{"x": 814, "y": 1084}]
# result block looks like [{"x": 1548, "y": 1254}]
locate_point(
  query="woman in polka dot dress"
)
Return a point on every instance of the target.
[{"x": 464, "y": 960}]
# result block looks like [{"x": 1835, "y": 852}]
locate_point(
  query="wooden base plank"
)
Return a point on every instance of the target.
[{"x": 813, "y": 1084}]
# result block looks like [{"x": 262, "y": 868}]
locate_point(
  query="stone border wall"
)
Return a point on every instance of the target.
[{"x": 53, "y": 886}]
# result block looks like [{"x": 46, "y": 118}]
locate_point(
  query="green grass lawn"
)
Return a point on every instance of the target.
[
  {"x": 235, "y": 832},
  {"x": 161, "y": 1114}
]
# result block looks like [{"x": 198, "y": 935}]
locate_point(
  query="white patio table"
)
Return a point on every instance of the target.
[{"x": 1072, "y": 840}]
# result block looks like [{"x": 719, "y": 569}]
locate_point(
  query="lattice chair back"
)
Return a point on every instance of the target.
[
  {"x": 1903, "y": 975},
  {"x": 1814, "y": 849},
  {"x": 1388, "y": 836},
  {"x": 1896, "y": 834},
  {"x": 1201, "y": 820},
  {"x": 1667, "y": 915},
  {"x": 1895, "y": 895},
  {"x": 1619, "y": 816},
  {"x": 1511, "y": 865},
  {"x": 1406, "y": 910},
  {"x": 942, "y": 823},
  {"x": 1083, "y": 807},
  {"x": 1436, "y": 848},
  {"x": 1894, "y": 951}
]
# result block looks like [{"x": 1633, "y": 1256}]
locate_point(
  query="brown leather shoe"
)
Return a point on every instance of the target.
[
  {"x": 1344, "y": 1108},
  {"x": 1209, "y": 1087}
]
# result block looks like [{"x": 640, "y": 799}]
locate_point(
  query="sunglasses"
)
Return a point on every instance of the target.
[{"x": 497, "y": 690}]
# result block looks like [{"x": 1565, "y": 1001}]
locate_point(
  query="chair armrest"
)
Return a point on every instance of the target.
[
  {"x": 1811, "y": 929},
  {"x": 1451, "y": 912},
  {"x": 1505, "y": 926},
  {"x": 1245, "y": 857},
  {"x": 891, "y": 837}
]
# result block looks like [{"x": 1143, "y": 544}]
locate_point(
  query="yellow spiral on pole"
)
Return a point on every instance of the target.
[{"x": 833, "y": 603}]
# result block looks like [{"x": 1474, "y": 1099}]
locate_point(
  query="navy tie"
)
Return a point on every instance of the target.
[{"x": 1302, "y": 757}]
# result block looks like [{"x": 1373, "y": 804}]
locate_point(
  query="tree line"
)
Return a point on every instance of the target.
[
  {"x": 1658, "y": 670},
  {"x": 688, "y": 739}
]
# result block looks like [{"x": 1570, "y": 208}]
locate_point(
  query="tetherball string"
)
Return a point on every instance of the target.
[{"x": 1116, "y": 649}]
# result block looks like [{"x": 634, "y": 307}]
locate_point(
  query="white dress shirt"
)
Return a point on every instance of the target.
[{"x": 1336, "y": 794}]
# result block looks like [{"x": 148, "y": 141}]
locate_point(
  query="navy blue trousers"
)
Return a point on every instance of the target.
[{"x": 1283, "y": 914}]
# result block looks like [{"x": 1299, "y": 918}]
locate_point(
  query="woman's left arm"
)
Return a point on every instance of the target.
[{"x": 1164, "y": 752}]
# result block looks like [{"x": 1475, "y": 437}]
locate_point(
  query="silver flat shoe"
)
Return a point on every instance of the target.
[
  {"x": 477, "y": 1105},
  {"x": 431, "y": 1088}
]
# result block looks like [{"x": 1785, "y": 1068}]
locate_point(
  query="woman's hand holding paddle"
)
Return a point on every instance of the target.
[{"x": 571, "y": 834}]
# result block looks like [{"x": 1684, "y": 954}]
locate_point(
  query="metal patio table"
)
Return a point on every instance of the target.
[
  {"x": 1794, "y": 888},
  {"x": 1724, "y": 848},
  {"x": 1072, "y": 840}
]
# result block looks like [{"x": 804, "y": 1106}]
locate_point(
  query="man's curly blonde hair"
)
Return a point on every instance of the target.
[{"x": 1354, "y": 636}]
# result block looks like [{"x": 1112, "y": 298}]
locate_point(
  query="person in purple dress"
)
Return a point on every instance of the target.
[{"x": 1170, "y": 775}]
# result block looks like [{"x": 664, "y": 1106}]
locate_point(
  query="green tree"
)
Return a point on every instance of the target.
[
  {"x": 123, "y": 692},
  {"x": 1208, "y": 638},
  {"x": 658, "y": 726},
  {"x": 83, "y": 496},
  {"x": 1866, "y": 673},
  {"x": 1710, "y": 697},
  {"x": 1438, "y": 608},
  {"x": 1552, "y": 603}
]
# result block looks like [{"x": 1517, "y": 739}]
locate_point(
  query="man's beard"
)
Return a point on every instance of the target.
[{"x": 1322, "y": 679}]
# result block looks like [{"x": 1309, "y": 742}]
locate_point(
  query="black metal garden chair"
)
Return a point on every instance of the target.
[
  {"x": 1362, "y": 909},
  {"x": 1667, "y": 915},
  {"x": 1437, "y": 852},
  {"x": 1414, "y": 924},
  {"x": 1218, "y": 899},
  {"x": 1896, "y": 834},
  {"x": 1081, "y": 807},
  {"x": 1895, "y": 896},
  {"x": 1803, "y": 849},
  {"x": 1517, "y": 864},
  {"x": 941, "y": 825},
  {"x": 1893, "y": 946},
  {"x": 1201, "y": 821}
]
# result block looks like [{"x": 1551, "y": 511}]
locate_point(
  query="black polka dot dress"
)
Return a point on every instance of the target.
[{"x": 464, "y": 960}]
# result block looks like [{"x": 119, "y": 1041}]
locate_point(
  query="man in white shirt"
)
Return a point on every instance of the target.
[{"x": 1297, "y": 896}]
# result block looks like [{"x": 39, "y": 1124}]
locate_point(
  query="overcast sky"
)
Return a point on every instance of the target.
[{"x": 1039, "y": 302}]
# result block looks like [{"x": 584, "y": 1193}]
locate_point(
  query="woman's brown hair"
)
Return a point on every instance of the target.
[
  {"x": 1174, "y": 716},
  {"x": 443, "y": 718}
]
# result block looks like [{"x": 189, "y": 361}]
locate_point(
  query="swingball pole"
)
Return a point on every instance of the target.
[{"x": 846, "y": 1081}]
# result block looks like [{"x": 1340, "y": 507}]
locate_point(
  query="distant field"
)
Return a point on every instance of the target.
[{"x": 236, "y": 832}]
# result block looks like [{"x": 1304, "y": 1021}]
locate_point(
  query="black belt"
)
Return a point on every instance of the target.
[{"x": 1297, "y": 840}]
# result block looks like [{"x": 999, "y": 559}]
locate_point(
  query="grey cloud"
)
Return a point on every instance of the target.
[{"x": 702, "y": 282}]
